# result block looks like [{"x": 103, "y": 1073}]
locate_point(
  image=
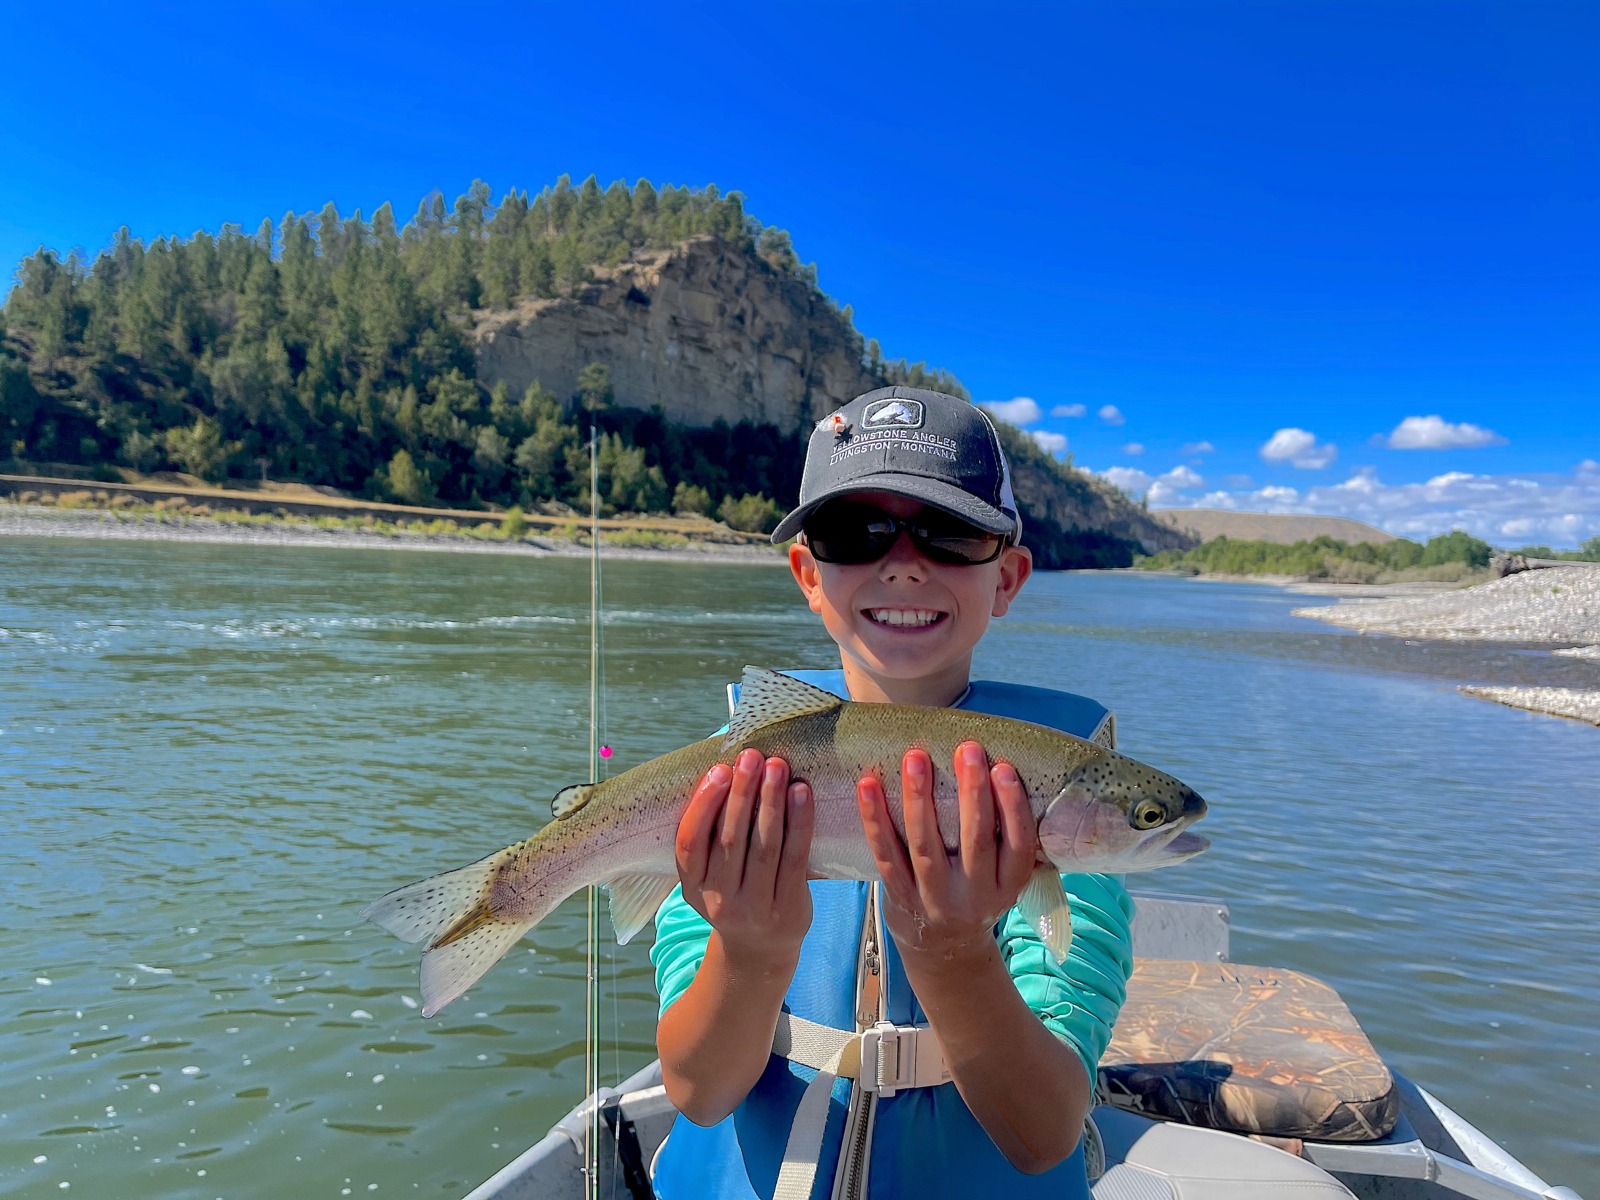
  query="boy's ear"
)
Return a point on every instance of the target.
[
  {"x": 1016, "y": 564},
  {"x": 804, "y": 569}
]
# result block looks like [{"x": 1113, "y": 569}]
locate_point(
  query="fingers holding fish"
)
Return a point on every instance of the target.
[
  {"x": 1018, "y": 850},
  {"x": 977, "y": 811},
  {"x": 791, "y": 887},
  {"x": 888, "y": 850},
  {"x": 699, "y": 825},
  {"x": 766, "y": 846},
  {"x": 738, "y": 811},
  {"x": 744, "y": 841},
  {"x": 930, "y": 860}
]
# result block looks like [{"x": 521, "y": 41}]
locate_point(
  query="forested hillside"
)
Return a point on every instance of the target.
[
  {"x": 335, "y": 350},
  {"x": 339, "y": 351}
]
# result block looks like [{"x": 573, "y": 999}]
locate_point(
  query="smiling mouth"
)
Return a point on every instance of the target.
[{"x": 904, "y": 618}]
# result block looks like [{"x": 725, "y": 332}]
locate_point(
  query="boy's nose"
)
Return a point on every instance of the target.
[{"x": 904, "y": 560}]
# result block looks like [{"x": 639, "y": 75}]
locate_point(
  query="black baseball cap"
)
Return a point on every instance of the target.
[{"x": 912, "y": 442}]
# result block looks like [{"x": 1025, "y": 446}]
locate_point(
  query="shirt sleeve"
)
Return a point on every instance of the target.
[
  {"x": 680, "y": 946},
  {"x": 1077, "y": 999}
]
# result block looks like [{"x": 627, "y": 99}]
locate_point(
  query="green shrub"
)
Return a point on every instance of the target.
[
  {"x": 750, "y": 514},
  {"x": 688, "y": 500},
  {"x": 514, "y": 527}
]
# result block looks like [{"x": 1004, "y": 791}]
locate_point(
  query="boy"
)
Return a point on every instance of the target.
[{"x": 908, "y": 544}]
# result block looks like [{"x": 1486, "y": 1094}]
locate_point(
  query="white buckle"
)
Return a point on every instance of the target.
[{"x": 896, "y": 1057}]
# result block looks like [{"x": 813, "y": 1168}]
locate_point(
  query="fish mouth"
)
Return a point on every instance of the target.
[
  {"x": 1173, "y": 845},
  {"x": 904, "y": 617}
]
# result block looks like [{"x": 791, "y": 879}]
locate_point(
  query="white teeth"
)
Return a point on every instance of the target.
[{"x": 903, "y": 616}]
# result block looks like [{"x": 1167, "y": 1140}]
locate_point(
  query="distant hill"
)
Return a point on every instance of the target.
[{"x": 1282, "y": 528}]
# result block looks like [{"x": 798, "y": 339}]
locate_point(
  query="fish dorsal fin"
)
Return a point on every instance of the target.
[
  {"x": 570, "y": 799},
  {"x": 1043, "y": 905},
  {"x": 634, "y": 900},
  {"x": 767, "y": 696}
]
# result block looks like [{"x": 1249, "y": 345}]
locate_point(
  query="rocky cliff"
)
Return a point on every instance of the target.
[
  {"x": 703, "y": 329},
  {"x": 710, "y": 332}
]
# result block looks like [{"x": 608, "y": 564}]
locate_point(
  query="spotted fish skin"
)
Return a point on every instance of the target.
[{"x": 1097, "y": 810}]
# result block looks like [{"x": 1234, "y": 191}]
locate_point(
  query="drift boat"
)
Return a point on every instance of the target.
[{"x": 1222, "y": 1082}]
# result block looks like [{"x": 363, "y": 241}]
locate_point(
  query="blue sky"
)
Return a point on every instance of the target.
[{"x": 1222, "y": 220}]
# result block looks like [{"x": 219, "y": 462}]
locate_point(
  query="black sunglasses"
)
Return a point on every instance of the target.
[{"x": 852, "y": 535}]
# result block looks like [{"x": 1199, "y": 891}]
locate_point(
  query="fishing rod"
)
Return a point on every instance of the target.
[{"x": 591, "y": 1006}]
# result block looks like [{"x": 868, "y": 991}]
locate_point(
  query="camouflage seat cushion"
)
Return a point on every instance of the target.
[{"x": 1255, "y": 1050}]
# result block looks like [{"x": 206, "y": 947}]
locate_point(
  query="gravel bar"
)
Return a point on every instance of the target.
[
  {"x": 1557, "y": 702},
  {"x": 37, "y": 521},
  {"x": 1556, "y": 604}
]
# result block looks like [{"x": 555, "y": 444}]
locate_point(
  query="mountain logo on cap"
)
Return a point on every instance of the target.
[{"x": 893, "y": 414}]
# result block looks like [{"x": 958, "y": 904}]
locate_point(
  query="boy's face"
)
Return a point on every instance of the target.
[{"x": 907, "y": 620}]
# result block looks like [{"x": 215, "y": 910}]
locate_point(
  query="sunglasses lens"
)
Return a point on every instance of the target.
[
  {"x": 850, "y": 535},
  {"x": 966, "y": 549}
]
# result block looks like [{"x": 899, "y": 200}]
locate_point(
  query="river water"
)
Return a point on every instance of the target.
[{"x": 212, "y": 756}]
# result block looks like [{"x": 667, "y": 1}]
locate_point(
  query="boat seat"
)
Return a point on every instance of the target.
[
  {"x": 1156, "y": 1160},
  {"x": 1253, "y": 1050}
]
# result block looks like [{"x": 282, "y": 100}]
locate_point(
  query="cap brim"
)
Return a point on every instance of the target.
[{"x": 935, "y": 492}]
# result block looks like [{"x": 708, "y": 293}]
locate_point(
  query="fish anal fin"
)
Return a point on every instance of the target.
[
  {"x": 634, "y": 901},
  {"x": 570, "y": 799},
  {"x": 1044, "y": 906},
  {"x": 766, "y": 697}
]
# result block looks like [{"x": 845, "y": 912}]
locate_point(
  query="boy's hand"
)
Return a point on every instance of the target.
[
  {"x": 742, "y": 849},
  {"x": 942, "y": 903}
]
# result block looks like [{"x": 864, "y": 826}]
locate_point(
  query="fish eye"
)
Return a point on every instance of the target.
[{"x": 1147, "y": 814}]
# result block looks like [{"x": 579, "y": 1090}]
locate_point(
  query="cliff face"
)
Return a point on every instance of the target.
[
  {"x": 707, "y": 331},
  {"x": 702, "y": 329}
]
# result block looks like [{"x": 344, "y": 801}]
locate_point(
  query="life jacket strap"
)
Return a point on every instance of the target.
[{"x": 884, "y": 1059}]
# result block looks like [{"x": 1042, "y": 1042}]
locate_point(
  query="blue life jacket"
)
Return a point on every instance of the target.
[{"x": 925, "y": 1141}]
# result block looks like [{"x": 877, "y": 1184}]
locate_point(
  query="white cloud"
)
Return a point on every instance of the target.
[
  {"x": 1435, "y": 433},
  {"x": 1163, "y": 491},
  {"x": 1193, "y": 448},
  {"x": 1299, "y": 447},
  {"x": 1129, "y": 479},
  {"x": 1024, "y": 410},
  {"x": 1507, "y": 510},
  {"x": 1111, "y": 414},
  {"x": 1134, "y": 448},
  {"x": 1069, "y": 410},
  {"x": 1051, "y": 443},
  {"x": 1163, "y": 495}
]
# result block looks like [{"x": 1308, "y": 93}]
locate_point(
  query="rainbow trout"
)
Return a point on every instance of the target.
[{"x": 1098, "y": 811}]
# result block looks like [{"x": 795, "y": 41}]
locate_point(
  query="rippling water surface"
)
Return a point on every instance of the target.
[{"x": 212, "y": 756}]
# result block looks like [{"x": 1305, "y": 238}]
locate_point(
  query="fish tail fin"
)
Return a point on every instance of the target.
[
  {"x": 456, "y": 915},
  {"x": 451, "y": 967},
  {"x": 426, "y": 910}
]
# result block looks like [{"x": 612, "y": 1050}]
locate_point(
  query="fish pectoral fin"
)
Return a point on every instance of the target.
[
  {"x": 1044, "y": 906},
  {"x": 634, "y": 900},
  {"x": 768, "y": 696},
  {"x": 570, "y": 799}
]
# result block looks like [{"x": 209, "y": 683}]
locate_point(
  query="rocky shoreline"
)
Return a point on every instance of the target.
[
  {"x": 39, "y": 521},
  {"x": 1556, "y": 608}
]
